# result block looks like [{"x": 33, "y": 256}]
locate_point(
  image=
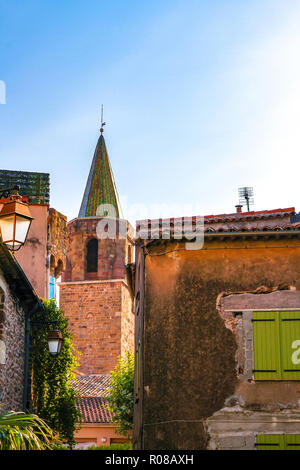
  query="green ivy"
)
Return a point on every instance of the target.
[
  {"x": 53, "y": 397},
  {"x": 120, "y": 394},
  {"x": 125, "y": 446}
]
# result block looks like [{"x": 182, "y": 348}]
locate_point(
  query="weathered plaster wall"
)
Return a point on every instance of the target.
[
  {"x": 127, "y": 322},
  {"x": 190, "y": 354},
  {"x": 12, "y": 351},
  {"x": 257, "y": 407},
  {"x": 255, "y": 394},
  {"x": 92, "y": 434},
  {"x": 236, "y": 428}
]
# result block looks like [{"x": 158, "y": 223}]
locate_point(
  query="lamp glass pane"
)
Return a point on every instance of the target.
[
  {"x": 7, "y": 228},
  {"x": 53, "y": 346},
  {"x": 22, "y": 226}
]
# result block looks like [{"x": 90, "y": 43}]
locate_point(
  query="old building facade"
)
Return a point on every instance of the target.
[
  {"x": 218, "y": 335},
  {"x": 18, "y": 303},
  {"x": 43, "y": 256}
]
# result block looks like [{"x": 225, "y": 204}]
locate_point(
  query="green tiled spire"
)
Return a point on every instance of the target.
[{"x": 100, "y": 187}]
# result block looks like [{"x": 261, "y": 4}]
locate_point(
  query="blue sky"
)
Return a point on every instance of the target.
[{"x": 200, "y": 97}]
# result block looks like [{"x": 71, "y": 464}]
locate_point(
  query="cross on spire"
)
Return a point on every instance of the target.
[{"x": 102, "y": 122}]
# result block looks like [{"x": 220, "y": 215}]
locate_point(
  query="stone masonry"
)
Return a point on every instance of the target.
[
  {"x": 98, "y": 304},
  {"x": 12, "y": 351},
  {"x": 101, "y": 321}
]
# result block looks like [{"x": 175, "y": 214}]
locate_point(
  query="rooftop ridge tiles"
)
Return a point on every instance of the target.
[{"x": 222, "y": 217}]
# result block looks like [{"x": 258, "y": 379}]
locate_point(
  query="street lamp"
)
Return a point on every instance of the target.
[
  {"x": 54, "y": 336},
  {"x": 15, "y": 220},
  {"x": 54, "y": 341}
]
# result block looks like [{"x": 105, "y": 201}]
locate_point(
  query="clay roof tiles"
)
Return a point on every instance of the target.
[
  {"x": 91, "y": 385},
  {"x": 93, "y": 410},
  {"x": 254, "y": 221},
  {"x": 90, "y": 401}
]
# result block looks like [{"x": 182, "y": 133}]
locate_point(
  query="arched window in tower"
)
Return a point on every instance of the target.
[{"x": 92, "y": 256}]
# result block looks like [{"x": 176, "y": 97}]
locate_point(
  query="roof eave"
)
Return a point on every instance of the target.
[{"x": 276, "y": 234}]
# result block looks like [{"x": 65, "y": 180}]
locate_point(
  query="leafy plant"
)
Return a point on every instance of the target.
[
  {"x": 125, "y": 446},
  {"x": 53, "y": 397},
  {"x": 20, "y": 431},
  {"x": 120, "y": 394}
]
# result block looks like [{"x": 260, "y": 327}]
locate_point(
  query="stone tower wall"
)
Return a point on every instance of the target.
[
  {"x": 112, "y": 253},
  {"x": 98, "y": 304}
]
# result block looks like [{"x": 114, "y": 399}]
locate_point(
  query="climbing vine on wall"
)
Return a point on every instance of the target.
[{"x": 53, "y": 398}]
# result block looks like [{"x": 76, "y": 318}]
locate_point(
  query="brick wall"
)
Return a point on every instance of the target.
[
  {"x": 112, "y": 253},
  {"x": 12, "y": 351},
  {"x": 100, "y": 319},
  {"x": 33, "y": 255},
  {"x": 98, "y": 304}
]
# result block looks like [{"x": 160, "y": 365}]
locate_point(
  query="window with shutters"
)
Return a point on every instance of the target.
[
  {"x": 278, "y": 442},
  {"x": 276, "y": 337}
]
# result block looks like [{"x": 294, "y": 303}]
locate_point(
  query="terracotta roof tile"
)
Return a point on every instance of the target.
[
  {"x": 93, "y": 410},
  {"x": 254, "y": 221},
  {"x": 90, "y": 401},
  {"x": 91, "y": 385}
]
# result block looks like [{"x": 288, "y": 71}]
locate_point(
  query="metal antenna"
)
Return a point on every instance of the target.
[
  {"x": 102, "y": 123},
  {"x": 246, "y": 196}
]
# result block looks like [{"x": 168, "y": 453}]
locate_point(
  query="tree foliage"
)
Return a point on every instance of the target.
[
  {"x": 124, "y": 446},
  {"x": 20, "y": 431},
  {"x": 53, "y": 397},
  {"x": 120, "y": 394}
]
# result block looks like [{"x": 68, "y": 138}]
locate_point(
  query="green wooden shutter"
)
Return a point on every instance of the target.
[
  {"x": 270, "y": 442},
  {"x": 278, "y": 442},
  {"x": 292, "y": 442},
  {"x": 290, "y": 345},
  {"x": 266, "y": 345}
]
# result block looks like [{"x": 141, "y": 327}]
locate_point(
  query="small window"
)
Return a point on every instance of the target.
[
  {"x": 278, "y": 442},
  {"x": 51, "y": 287},
  {"x": 276, "y": 345},
  {"x": 92, "y": 256}
]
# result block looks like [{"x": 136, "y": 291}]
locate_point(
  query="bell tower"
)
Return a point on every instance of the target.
[{"x": 94, "y": 293}]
